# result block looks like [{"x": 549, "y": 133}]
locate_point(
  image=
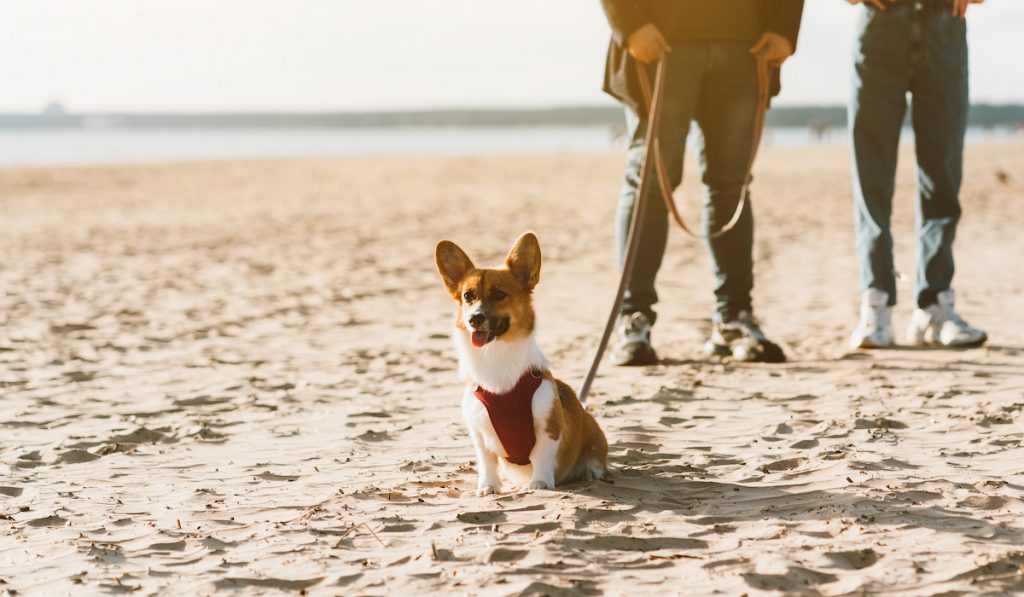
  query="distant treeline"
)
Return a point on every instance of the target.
[{"x": 783, "y": 116}]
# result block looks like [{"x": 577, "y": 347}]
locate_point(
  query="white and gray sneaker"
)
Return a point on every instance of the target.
[
  {"x": 632, "y": 346},
  {"x": 875, "y": 327},
  {"x": 940, "y": 325}
]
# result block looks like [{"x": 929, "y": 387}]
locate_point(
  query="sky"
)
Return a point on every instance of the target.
[{"x": 359, "y": 55}]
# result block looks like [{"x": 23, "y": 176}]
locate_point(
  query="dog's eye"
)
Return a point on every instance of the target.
[
  {"x": 497, "y": 295},
  {"x": 469, "y": 297}
]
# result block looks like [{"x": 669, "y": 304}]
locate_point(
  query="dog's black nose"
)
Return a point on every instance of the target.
[{"x": 477, "y": 319}]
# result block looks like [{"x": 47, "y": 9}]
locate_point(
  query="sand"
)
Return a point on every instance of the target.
[{"x": 236, "y": 377}]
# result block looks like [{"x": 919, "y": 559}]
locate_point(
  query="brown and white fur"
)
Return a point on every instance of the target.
[{"x": 494, "y": 338}]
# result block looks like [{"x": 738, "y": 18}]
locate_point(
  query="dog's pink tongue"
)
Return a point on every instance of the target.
[{"x": 480, "y": 338}]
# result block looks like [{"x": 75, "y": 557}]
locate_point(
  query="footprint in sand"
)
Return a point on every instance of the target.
[
  {"x": 805, "y": 444},
  {"x": 628, "y": 543},
  {"x": 983, "y": 502},
  {"x": 782, "y": 465},
  {"x": 879, "y": 423},
  {"x": 75, "y": 457},
  {"x": 503, "y": 554},
  {"x": 796, "y": 578},
  {"x": 270, "y": 583},
  {"x": 540, "y": 527},
  {"x": 482, "y": 517},
  {"x": 401, "y": 527},
  {"x": 855, "y": 560},
  {"x": 47, "y": 521},
  {"x": 1005, "y": 570}
]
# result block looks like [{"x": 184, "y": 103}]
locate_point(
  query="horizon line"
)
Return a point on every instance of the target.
[{"x": 49, "y": 111}]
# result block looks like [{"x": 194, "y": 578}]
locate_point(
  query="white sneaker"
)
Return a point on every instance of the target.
[
  {"x": 875, "y": 327},
  {"x": 939, "y": 325}
]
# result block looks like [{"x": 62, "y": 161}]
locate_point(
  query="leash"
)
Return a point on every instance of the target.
[
  {"x": 763, "y": 95},
  {"x": 653, "y": 149}
]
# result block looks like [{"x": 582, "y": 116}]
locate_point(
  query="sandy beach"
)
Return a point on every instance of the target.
[{"x": 237, "y": 378}]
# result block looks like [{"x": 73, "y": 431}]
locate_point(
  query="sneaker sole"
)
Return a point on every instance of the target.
[
  {"x": 867, "y": 344},
  {"x": 642, "y": 357},
  {"x": 716, "y": 350},
  {"x": 927, "y": 344},
  {"x": 770, "y": 353}
]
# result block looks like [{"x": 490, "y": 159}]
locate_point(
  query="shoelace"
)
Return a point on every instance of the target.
[
  {"x": 952, "y": 315},
  {"x": 748, "y": 325},
  {"x": 633, "y": 327},
  {"x": 637, "y": 322}
]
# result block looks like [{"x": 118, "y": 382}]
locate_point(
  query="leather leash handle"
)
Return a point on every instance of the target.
[
  {"x": 650, "y": 140},
  {"x": 653, "y": 150}
]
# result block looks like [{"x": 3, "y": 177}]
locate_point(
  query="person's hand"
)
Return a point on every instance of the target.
[
  {"x": 776, "y": 48},
  {"x": 879, "y": 4},
  {"x": 647, "y": 43},
  {"x": 960, "y": 7}
]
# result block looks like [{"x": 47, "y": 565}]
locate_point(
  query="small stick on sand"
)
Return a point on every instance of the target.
[{"x": 374, "y": 535}]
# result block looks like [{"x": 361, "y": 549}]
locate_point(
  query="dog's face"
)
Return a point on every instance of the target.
[{"x": 494, "y": 304}]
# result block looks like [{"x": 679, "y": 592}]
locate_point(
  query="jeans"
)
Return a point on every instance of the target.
[
  {"x": 921, "y": 49},
  {"x": 714, "y": 83}
]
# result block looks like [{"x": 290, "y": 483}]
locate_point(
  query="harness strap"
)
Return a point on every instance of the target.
[{"x": 511, "y": 416}]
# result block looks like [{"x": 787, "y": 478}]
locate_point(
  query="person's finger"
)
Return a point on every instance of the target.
[
  {"x": 776, "y": 55},
  {"x": 759, "y": 45},
  {"x": 645, "y": 54}
]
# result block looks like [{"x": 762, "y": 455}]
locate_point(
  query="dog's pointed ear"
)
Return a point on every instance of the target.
[
  {"x": 524, "y": 260},
  {"x": 452, "y": 264}
]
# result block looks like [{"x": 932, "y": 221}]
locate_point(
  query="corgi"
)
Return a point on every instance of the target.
[{"x": 526, "y": 425}]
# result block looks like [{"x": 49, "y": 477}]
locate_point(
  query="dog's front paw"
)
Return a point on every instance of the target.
[
  {"x": 487, "y": 490},
  {"x": 541, "y": 484}
]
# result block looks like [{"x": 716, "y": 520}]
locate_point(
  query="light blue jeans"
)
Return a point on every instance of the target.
[
  {"x": 921, "y": 49},
  {"x": 715, "y": 84}
]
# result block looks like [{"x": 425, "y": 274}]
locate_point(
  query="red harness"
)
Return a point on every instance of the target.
[{"x": 512, "y": 416}]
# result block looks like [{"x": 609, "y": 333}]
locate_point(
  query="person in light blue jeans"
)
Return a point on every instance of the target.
[{"x": 917, "y": 47}]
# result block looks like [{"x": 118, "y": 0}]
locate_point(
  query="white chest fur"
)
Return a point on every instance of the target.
[{"x": 497, "y": 366}]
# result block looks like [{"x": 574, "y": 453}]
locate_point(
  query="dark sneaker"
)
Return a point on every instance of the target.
[
  {"x": 742, "y": 338},
  {"x": 632, "y": 346}
]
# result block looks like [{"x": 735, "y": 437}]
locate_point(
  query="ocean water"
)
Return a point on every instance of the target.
[{"x": 104, "y": 146}]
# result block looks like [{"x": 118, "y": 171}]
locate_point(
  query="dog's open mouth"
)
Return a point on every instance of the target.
[{"x": 480, "y": 338}]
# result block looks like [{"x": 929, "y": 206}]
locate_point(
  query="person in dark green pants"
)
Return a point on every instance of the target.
[{"x": 711, "y": 78}]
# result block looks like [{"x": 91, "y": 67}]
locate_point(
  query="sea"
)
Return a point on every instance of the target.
[{"x": 38, "y": 147}]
